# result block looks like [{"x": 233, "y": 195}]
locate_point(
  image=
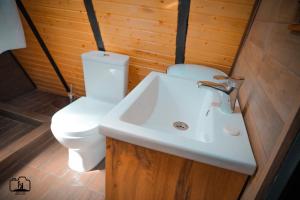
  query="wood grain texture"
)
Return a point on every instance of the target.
[
  {"x": 144, "y": 30},
  {"x": 134, "y": 172},
  {"x": 25, "y": 124},
  {"x": 45, "y": 163},
  {"x": 215, "y": 32},
  {"x": 270, "y": 96},
  {"x": 36, "y": 64},
  {"x": 65, "y": 29},
  {"x": 40, "y": 102}
]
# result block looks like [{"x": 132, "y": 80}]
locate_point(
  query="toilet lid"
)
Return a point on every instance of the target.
[
  {"x": 194, "y": 72},
  {"x": 80, "y": 116}
]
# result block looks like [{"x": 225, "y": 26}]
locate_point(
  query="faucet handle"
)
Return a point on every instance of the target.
[
  {"x": 237, "y": 78},
  {"x": 222, "y": 77}
]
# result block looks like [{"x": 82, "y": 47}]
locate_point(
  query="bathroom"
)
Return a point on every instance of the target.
[{"x": 162, "y": 99}]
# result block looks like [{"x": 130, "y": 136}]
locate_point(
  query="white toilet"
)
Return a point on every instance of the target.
[{"x": 76, "y": 126}]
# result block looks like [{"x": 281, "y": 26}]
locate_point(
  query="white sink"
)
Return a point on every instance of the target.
[{"x": 146, "y": 117}]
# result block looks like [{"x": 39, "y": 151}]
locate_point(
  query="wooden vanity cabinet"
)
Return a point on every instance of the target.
[{"x": 137, "y": 173}]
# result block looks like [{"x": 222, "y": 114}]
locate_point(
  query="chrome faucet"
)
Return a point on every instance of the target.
[{"x": 230, "y": 86}]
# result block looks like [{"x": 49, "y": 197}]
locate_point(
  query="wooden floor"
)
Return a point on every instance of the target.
[
  {"x": 39, "y": 102},
  {"x": 52, "y": 179},
  {"x": 11, "y": 129},
  {"x": 46, "y": 164}
]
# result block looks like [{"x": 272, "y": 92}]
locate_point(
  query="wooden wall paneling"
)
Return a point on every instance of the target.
[
  {"x": 215, "y": 31},
  {"x": 73, "y": 5},
  {"x": 134, "y": 9},
  {"x": 65, "y": 28},
  {"x": 146, "y": 31},
  {"x": 37, "y": 55},
  {"x": 270, "y": 96},
  {"x": 134, "y": 172},
  {"x": 43, "y": 45}
]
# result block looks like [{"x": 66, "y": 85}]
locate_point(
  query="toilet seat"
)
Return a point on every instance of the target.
[{"x": 80, "y": 118}]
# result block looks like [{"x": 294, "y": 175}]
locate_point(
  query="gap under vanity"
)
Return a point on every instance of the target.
[{"x": 149, "y": 100}]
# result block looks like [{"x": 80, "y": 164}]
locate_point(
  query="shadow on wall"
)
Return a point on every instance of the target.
[{"x": 14, "y": 80}]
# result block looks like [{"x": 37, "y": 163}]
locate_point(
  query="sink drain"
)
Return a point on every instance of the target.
[{"x": 180, "y": 125}]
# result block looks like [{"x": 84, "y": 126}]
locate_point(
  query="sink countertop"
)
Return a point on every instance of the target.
[{"x": 146, "y": 115}]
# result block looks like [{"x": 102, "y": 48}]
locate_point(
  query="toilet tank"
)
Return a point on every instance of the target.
[{"x": 105, "y": 75}]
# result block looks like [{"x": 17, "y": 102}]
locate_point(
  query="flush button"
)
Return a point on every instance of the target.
[{"x": 232, "y": 131}]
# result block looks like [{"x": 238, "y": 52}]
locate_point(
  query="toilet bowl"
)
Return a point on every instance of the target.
[{"x": 76, "y": 126}]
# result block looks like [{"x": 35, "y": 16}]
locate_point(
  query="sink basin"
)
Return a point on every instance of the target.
[{"x": 174, "y": 116}]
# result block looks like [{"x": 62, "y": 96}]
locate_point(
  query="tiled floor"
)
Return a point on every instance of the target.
[{"x": 52, "y": 179}]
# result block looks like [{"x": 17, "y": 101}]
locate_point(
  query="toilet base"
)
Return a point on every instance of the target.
[{"x": 83, "y": 160}]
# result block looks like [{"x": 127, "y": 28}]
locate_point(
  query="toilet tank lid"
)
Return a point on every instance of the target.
[
  {"x": 194, "y": 72},
  {"x": 106, "y": 57}
]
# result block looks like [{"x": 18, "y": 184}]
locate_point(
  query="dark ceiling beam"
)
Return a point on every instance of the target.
[
  {"x": 42, "y": 44},
  {"x": 182, "y": 27},
  {"x": 94, "y": 24}
]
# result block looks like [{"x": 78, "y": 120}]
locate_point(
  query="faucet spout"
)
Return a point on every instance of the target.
[
  {"x": 230, "y": 87},
  {"x": 224, "y": 87}
]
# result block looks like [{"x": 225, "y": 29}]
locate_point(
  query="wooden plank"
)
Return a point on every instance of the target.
[
  {"x": 151, "y": 174},
  {"x": 75, "y": 50},
  {"x": 140, "y": 45},
  {"x": 65, "y": 14},
  {"x": 61, "y": 23},
  {"x": 144, "y": 55},
  {"x": 159, "y": 26},
  {"x": 76, "y": 5},
  {"x": 49, "y": 38},
  {"x": 212, "y": 47},
  {"x": 42, "y": 43},
  {"x": 166, "y": 4},
  {"x": 44, "y": 28},
  {"x": 203, "y": 56},
  {"x": 66, "y": 59},
  {"x": 145, "y": 35},
  {"x": 215, "y": 34},
  {"x": 146, "y": 31},
  {"x": 226, "y": 9},
  {"x": 130, "y": 10},
  {"x": 134, "y": 54},
  {"x": 37, "y": 53},
  {"x": 243, "y": 2},
  {"x": 215, "y": 31},
  {"x": 270, "y": 95}
]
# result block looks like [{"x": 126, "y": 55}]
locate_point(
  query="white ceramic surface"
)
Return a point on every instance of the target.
[
  {"x": 194, "y": 72},
  {"x": 145, "y": 117},
  {"x": 105, "y": 75},
  {"x": 76, "y": 126}
]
